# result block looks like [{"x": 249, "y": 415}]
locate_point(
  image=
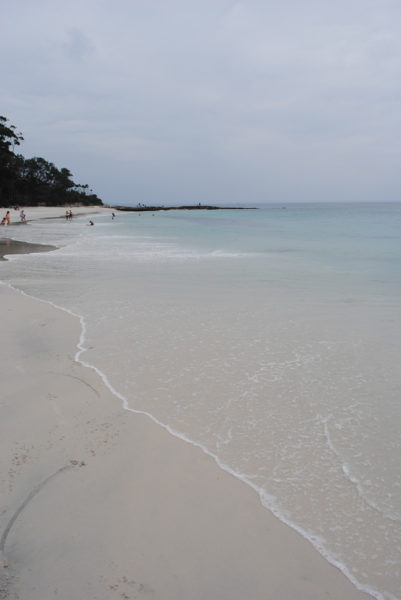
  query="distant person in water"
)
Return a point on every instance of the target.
[
  {"x": 22, "y": 216},
  {"x": 91, "y": 223},
  {"x": 3, "y": 221},
  {"x": 8, "y": 217},
  {"x": 112, "y": 215}
]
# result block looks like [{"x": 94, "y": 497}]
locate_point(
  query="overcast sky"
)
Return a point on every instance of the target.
[{"x": 173, "y": 101}]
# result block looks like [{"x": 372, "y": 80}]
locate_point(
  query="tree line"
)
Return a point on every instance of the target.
[{"x": 35, "y": 181}]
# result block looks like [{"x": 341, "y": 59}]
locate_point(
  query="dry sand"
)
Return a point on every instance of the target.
[
  {"x": 53, "y": 212},
  {"x": 100, "y": 503}
]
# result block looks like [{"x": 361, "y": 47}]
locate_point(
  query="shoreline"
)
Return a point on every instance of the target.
[
  {"x": 10, "y": 245},
  {"x": 207, "y": 511},
  {"x": 33, "y": 213}
]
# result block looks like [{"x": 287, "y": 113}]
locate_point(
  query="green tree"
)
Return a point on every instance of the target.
[
  {"x": 9, "y": 138},
  {"x": 35, "y": 180}
]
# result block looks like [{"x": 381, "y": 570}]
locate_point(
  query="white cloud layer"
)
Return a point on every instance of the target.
[{"x": 166, "y": 101}]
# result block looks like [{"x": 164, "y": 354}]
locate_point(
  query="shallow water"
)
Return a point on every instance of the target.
[{"x": 270, "y": 337}]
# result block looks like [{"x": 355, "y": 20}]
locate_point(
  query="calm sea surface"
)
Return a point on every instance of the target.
[{"x": 269, "y": 337}]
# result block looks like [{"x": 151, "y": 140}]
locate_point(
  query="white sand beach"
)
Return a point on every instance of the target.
[
  {"x": 33, "y": 213},
  {"x": 101, "y": 503}
]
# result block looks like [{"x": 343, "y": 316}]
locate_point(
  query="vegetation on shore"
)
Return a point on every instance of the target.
[{"x": 35, "y": 181}]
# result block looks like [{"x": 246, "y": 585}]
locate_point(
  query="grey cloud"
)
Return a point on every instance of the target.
[
  {"x": 251, "y": 99},
  {"x": 77, "y": 45}
]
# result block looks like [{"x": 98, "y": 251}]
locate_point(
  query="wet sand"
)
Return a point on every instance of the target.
[{"x": 9, "y": 246}]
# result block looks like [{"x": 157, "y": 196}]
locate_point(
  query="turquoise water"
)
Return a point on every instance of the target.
[
  {"x": 360, "y": 241},
  {"x": 268, "y": 337}
]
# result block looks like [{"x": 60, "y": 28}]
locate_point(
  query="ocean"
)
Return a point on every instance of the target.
[{"x": 269, "y": 337}]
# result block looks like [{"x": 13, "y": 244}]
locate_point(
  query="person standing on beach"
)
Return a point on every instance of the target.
[
  {"x": 22, "y": 216},
  {"x": 8, "y": 217}
]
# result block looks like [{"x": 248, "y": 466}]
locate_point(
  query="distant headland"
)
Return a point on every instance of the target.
[{"x": 143, "y": 207}]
